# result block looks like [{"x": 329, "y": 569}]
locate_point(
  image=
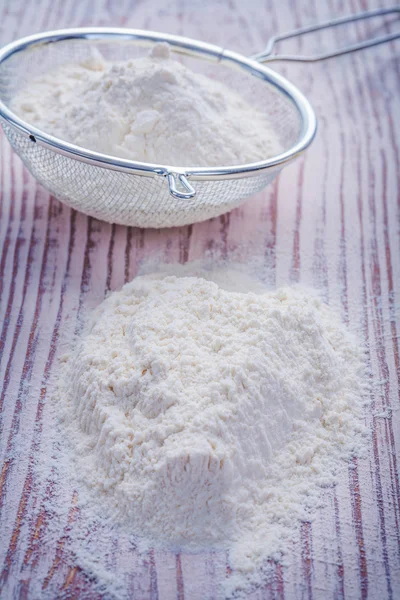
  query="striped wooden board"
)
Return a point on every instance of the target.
[{"x": 332, "y": 221}]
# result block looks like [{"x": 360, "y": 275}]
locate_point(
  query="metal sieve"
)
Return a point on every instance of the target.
[{"x": 145, "y": 194}]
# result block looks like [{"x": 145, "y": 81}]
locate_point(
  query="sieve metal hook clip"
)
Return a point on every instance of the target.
[{"x": 173, "y": 190}]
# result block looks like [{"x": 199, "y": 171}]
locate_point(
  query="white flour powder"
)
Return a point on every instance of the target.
[
  {"x": 151, "y": 109},
  {"x": 206, "y": 417}
]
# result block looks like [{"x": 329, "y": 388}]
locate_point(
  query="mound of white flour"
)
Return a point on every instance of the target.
[
  {"x": 208, "y": 417},
  {"x": 151, "y": 109}
]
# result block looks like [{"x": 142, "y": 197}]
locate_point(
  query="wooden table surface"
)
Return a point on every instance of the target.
[{"x": 330, "y": 221}]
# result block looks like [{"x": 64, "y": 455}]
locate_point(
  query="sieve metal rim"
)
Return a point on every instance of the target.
[{"x": 185, "y": 46}]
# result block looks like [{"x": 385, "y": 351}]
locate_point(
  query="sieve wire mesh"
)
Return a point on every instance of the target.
[{"x": 131, "y": 199}]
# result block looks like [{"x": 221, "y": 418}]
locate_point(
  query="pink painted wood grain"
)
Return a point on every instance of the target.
[{"x": 331, "y": 220}]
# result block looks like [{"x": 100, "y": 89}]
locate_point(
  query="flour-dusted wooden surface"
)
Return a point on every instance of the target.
[{"x": 331, "y": 221}]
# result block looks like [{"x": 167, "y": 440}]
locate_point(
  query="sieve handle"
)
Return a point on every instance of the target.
[
  {"x": 173, "y": 190},
  {"x": 267, "y": 56}
]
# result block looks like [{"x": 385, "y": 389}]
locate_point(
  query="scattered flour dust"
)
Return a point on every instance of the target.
[
  {"x": 205, "y": 418},
  {"x": 151, "y": 109}
]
